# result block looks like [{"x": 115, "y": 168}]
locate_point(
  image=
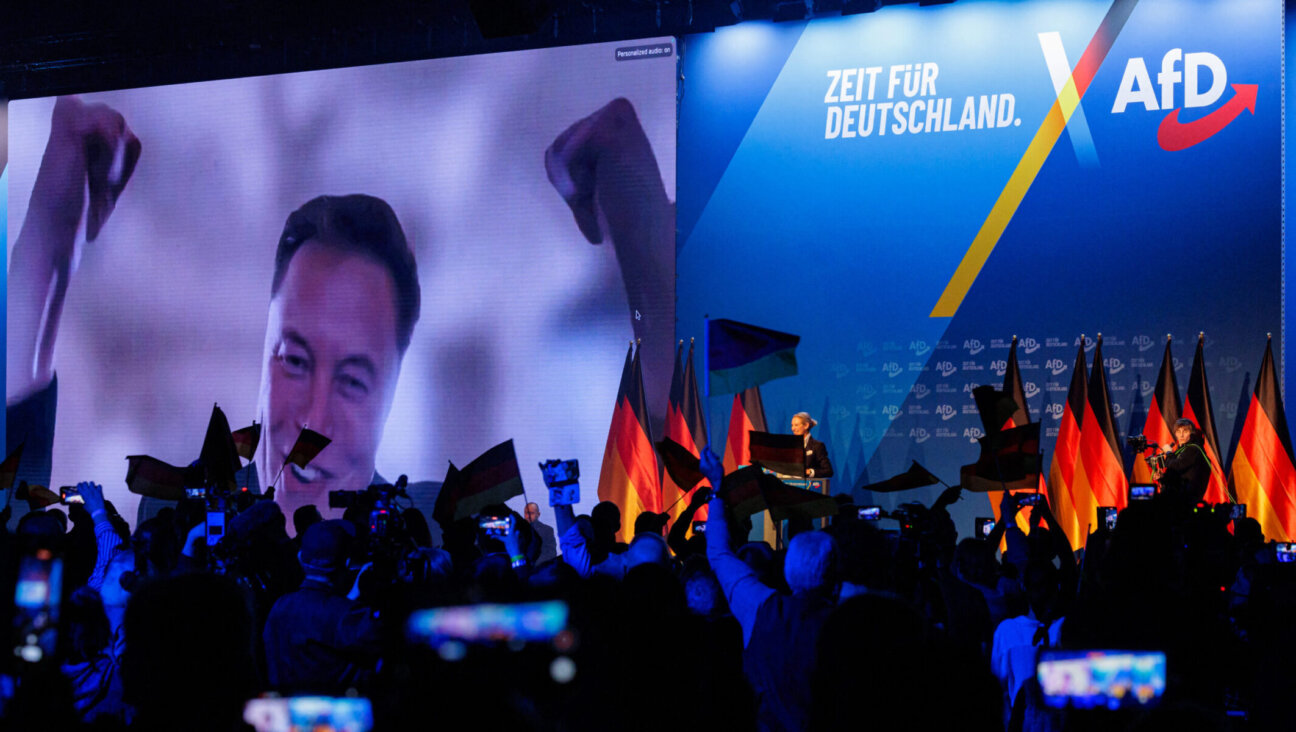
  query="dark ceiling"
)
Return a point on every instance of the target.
[{"x": 62, "y": 46}]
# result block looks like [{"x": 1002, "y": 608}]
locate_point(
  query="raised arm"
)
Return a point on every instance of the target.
[
  {"x": 677, "y": 539},
  {"x": 1007, "y": 517},
  {"x": 605, "y": 169},
  {"x": 90, "y": 147},
  {"x": 742, "y": 588}
]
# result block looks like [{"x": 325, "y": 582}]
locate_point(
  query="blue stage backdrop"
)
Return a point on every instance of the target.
[{"x": 909, "y": 189}]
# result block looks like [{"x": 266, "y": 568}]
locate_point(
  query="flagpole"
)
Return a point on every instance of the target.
[
  {"x": 677, "y": 500},
  {"x": 706, "y": 369},
  {"x": 275, "y": 482}
]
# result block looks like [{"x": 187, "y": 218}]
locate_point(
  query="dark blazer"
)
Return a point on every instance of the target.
[
  {"x": 816, "y": 458},
  {"x": 1187, "y": 473}
]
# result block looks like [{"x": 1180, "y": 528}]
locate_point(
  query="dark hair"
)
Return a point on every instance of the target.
[
  {"x": 1188, "y": 423},
  {"x": 364, "y": 225}
]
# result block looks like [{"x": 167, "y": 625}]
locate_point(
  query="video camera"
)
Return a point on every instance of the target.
[
  {"x": 387, "y": 535},
  {"x": 380, "y": 499},
  {"x": 913, "y": 517},
  {"x": 1139, "y": 443}
]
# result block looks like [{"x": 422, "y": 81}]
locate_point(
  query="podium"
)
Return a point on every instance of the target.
[{"x": 777, "y": 535}]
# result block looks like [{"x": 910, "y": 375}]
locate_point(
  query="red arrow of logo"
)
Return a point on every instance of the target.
[{"x": 1174, "y": 135}]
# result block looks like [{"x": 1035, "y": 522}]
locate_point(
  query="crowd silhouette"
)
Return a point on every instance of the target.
[{"x": 856, "y": 625}]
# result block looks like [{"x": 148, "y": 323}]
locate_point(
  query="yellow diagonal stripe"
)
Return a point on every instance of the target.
[{"x": 1011, "y": 197}]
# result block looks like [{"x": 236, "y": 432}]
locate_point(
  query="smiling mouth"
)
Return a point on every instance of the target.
[{"x": 309, "y": 474}]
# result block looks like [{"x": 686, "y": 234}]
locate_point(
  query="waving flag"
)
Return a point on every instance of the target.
[{"x": 741, "y": 356}]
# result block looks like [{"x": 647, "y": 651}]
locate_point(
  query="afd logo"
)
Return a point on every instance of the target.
[
  {"x": 919, "y": 347},
  {"x": 920, "y": 390},
  {"x": 1178, "y": 365},
  {"x": 1146, "y": 388},
  {"x": 1089, "y": 343},
  {"x": 1118, "y": 411},
  {"x": 1114, "y": 365},
  {"x": 1188, "y": 72},
  {"x": 866, "y": 348},
  {"x": 1230, "y": 363},
  {"x": 973, "y": 433},
  {"x": 1055, "y": 366},
  {"x": 919, "y": 435},
  {"x": 1030, "y": 345},
  {"x": 946, "y": 368},
  {"x": 1000, "y": 367},
  {"x": 946, "y": 411},
  {"x": 1032, "y": 389},
  {"x": 892, "y": 369},
  {"x": 891, "y": 411},
  {"x": 1143, "y": 342},
  {"x": 973, "y": 346},
  {"x": 1054, "y": 410},
  {"x": 868, "y": 391}
]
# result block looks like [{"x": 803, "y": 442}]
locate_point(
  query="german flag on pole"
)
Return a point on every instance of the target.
[
  {"x": 686, "y": 425},
  {"x": 492, "y": 478},
  {"x": 1162, "y": 413},
  {"x": 246, "y": 440},
  {"x": 747, "y": 415},
  {"x": 1199, "y": 410},
  {"x": 1068, "y": 487},
  {"x": 740, "y": 356},
  {"x": 1014, "y": 388},
  {"x": 1099, "y": 446},
  {"x": 1264, "y": 471},
  {"x": 629, "y": 476}
]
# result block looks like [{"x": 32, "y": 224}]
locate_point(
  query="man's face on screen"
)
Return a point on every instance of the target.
[{"x": 330, "y": 363}]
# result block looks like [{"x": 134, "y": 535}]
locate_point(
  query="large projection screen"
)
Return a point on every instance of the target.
[{"x": 523, "y": 323}]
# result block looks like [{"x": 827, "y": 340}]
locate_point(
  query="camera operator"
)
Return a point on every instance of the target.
[
  {"x": 317, "y": 640},
  {"x": 1187, "y": 470}
]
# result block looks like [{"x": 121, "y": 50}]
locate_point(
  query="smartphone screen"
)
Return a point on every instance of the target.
[
  {"x": 37, "y": 599},
  {"x": 1286, "y": 552},
  {"x": 215, "y": 527},
  {"x": 1107, "y": 517},
  {"x": 309, "y": 714},
  {"x": 984, "y": 526},
  {"x": 1142, "y": 491},
  {"x": 1103, "y": 679},
  {"x": 1237, "y": 511},
  {"x": 699, "y": 527},
  {"x": 529, "y": 622},
  {"x": 870, "y": 513},
  {"x": 496, "y": 526}
]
